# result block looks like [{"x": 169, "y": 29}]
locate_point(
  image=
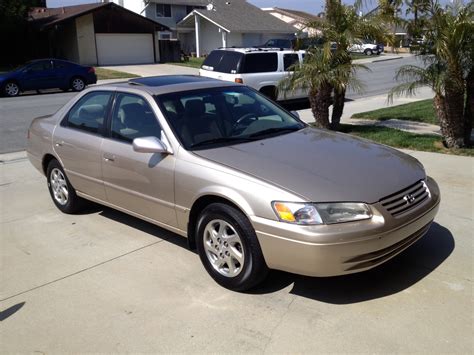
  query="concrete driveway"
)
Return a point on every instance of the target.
[{"x": 106, "y": 282}]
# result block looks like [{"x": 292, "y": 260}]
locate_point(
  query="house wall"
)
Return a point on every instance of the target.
[
  {"x": 86, "y": 40},
  {"x": 178, "y": 12},
  {"x": 211, "y": 38},
  {"x": 136, "y": 6}
]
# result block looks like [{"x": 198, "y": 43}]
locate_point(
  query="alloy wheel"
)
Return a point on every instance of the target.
[
  {"x": 59, "y": 186},
  {"x": 223, "y": 248},
  {"x": 78, "y": 84},
  {"x": 12, "y": 89}
]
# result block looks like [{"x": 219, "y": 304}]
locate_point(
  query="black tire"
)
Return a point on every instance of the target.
[
  {"x": 74, "y": 203},
  {"x": 77, "y": 84},
  {"x": 254, "y": 269},
  {"x": 11, "y": 89},
  {"x": 368, "y": 52}
]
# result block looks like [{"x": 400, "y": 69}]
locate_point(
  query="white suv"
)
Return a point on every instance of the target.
[{"x": 259, "y": 68}]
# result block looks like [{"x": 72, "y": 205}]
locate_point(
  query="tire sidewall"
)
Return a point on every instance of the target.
[{"x": 246, "y": 233}]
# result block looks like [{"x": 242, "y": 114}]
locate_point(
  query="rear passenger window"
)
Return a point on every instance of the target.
[
  {"x": 133, "y": 118},
  {"x": 223, "y": 62},
  {"x": 88, "y": 114},
  {"x": 260, "y": 63},
  {"x": 289, "y": 60}
]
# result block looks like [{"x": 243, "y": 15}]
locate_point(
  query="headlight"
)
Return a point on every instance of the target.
[{"x": 321, "y": 213}]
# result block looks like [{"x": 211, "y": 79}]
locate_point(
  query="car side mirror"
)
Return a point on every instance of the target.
[
  {"x": 150, "y": 145},
  {"x": 295, "y": 113}
]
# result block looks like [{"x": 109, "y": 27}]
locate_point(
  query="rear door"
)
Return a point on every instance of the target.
[
  {"x": 142, "y": 183},
  {"x": 222, "y": 65},
  {"x": 78, "y": 142}
]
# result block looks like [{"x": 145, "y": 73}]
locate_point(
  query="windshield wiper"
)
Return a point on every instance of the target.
[
  {"x": 221, "y": 140},
  {"x": 275, "y": 130}
]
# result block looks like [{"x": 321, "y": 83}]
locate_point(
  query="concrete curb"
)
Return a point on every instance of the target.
[{"x": 386, "y": 59}]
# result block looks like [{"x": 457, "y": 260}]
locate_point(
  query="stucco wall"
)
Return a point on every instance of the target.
[{"x": 86, "y": 40}]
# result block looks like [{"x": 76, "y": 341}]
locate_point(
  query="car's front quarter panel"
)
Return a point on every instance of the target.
[{"x": 196, "y": 177}]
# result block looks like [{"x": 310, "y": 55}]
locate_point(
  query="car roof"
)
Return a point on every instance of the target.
[{"x": 158, "y": 85}]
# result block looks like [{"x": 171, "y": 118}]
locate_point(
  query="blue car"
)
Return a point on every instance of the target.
[{"x": 47, "y": 74}]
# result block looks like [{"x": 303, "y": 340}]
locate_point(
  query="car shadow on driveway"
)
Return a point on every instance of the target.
[{"x": 396, "y": 275}]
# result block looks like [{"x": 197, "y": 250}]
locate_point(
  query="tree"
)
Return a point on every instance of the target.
[
  {"x": 14, "y": 29},
  {"x": 449, "y": 55}
]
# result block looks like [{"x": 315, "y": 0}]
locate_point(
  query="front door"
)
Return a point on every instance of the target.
[
  {"x": 78, "y": 141},
  {"x": 39, "y": 75},
  {"x": 142, "y": 183}
]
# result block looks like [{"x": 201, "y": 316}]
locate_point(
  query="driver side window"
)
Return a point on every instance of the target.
[{"x": 133, "y": 118}]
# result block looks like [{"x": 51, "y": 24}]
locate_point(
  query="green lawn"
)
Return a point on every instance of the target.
[
  {"x": 419, "y": 111},
  {"x": 112, "y": 74},
  {"x": 192, "y": 62},
  {"x": 400, "y": 139}
]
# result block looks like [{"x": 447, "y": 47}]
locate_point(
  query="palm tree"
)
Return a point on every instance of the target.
[
  {"x": 325, "y": 71},
  {"x": 450, "y": 59},
  {"x": 320, "y": 73}
]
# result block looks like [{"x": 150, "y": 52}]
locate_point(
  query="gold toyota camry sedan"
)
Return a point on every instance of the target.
[{"x": 251, "y": 186}]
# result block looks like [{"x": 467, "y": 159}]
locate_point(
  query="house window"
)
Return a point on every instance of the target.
[
  {"x": 165, "y": 35},
  {"x": 163, "y": 10}
]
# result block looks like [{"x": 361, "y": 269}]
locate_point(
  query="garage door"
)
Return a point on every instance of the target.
[{"x": 121, "y": 48}]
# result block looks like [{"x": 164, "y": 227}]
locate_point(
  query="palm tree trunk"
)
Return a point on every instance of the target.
[
  {"x": 320, "y": 101},
  {"x": 337, "y": 107},
  {"x": 440, "y": 109},
  {"x": 469, "y": 107},
  {"x": 453, "y": 128}
]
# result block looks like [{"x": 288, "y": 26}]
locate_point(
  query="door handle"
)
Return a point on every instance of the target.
[
  {"x": 59, "y": 144},
  {"x": 109, "y": 158}
]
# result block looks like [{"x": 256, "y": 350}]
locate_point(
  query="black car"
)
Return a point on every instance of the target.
[{"x": 47, "y": 74}]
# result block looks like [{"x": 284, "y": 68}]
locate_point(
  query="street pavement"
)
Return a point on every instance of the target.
[
  {"x": 17, "y": 113},
  {"x": 104, "y": 282}
]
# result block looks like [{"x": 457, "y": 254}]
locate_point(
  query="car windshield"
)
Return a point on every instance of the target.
[{"x": 216, "y": 117}]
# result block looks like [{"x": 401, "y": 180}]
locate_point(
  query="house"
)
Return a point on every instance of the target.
[
  {"x": 167, "y": 12},
  {"x": 298, "y": 19},
  {"x": 95, "y": 34},
  {"x": 231, "y": 23}
]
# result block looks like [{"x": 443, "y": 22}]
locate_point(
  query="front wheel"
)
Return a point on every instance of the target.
[
  {"x": 229, "y": 248},
  {"x": 368, "y": 52},
  {"x": 77, "y": 84},
  {"x": 11, "y": 89},
  {"x": 61, "y": 191}
]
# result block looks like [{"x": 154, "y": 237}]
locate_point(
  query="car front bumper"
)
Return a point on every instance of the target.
[{"x": 330, "y": 250}]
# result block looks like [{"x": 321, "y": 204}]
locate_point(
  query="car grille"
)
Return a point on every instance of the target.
[{"x": 406, "y": 199}]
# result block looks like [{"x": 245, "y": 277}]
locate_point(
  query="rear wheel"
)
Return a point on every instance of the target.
[
  {"x": 77, "y": 84},
  {"x": 229, "y": 248},
  {"x": 61, "y": 191},
  {"x": 11, "y": 89},
  {"x": 368, "y": 52}
]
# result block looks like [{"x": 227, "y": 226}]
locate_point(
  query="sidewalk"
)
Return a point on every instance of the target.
[{"x": 378, "y": 102}]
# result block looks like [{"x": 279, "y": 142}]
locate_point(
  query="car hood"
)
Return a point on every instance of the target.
[{"x": 322, "y": 166}]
